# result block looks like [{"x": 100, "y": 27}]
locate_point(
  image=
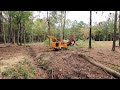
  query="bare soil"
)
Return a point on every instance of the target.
[{"x": 65, "y": 64}]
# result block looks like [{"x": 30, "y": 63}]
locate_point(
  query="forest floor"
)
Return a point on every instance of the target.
[{"x": 39, "y": 61}]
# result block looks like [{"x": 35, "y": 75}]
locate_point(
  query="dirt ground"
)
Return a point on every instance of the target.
[
  {"x": 105, "y": 56},
  {"x": 65, "y": 64}
]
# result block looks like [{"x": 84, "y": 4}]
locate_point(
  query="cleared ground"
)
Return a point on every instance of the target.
[{"x": 59, "y": 64}]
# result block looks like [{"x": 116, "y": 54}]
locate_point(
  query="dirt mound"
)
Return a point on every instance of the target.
[{"x": 67, "y": 65}]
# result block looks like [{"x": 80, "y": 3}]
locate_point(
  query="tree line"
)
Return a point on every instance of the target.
[{"x": 20, "y": 27}]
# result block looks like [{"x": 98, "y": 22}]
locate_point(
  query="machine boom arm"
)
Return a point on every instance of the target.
[{"x": 52, "y": 37}]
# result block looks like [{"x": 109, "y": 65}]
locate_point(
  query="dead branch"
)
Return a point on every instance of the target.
[{"x": 110, "y": 71}]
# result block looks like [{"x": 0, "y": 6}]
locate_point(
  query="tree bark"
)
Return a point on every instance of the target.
[
  {"x": 32, "y": 38},
  {"x": 48, "y": 20},
  {"x": 1, "y": 31},
  {"x": 99, "y": 37},
  {"x": 0, "y": 21},
  {"x": 61, "y": 36},
  {"x": 13, "y": 35},
  {"x": 2, "y": 27},
  {"x": 119, "y": 28},
  {"x": 90, "y": 29},
  {"x": 18, "y": 34},
  {"x": 10, "y": 29},
  {"x": 4, "y": 34},
  {"x": 37, "y": 39},
  {"x": 115, "y": 28},
  {"x": 64, "y": 25},
  {"x": 29, "y": 38},
  {"x": 24, "y": 34}
]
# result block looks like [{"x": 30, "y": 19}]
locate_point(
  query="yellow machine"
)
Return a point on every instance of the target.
[{"x": 58, "y": 45}]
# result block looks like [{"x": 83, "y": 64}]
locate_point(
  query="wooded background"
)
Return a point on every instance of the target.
[{"x": 21, "y": 27}]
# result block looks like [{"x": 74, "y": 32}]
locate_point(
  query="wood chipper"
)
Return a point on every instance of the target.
[{"x": 58, "y": 45}]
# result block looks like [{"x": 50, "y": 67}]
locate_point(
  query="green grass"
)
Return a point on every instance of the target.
[
  {"x": 46, "y": 42},
  {"x": 80, "y": 44},
  {"x": 26, "y": 69},
  {"x": 23, "y": 70},
  {"x": 95, "y": 44}
]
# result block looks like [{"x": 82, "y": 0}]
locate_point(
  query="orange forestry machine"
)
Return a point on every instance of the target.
[{"x": 59, "y": 44}]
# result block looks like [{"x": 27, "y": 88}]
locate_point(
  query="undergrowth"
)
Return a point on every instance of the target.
[
  {"x": 23, "y": 70},
  {"x": 80, "y": 44},
  {"x": 43, "y": 63}
]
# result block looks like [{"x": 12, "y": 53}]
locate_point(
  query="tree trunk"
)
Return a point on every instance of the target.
[
  {"x": 29, "y": 38},
  {"x": 64, "y": 25},
  {"x": 0, "y": 21},
  {"x": 24, "y": 34},
  {"x": 99, "y": 37},
  {"x": 32, "y": 38},
  {"x": 2, "y": 27},
  {"x": 106, "y": 37},
  {"x": 44, "y": 37},
  {"x": 9, "y": 37},
  {"x": 61, "y": 36},
  {"x": 1, "y": 31},
  {"x": 18, "y": 34},
  {"x": 119, "y": 28},
  {"x": 40, "y": 39},
  {"x": 92, "y": 61},
  {"x": 90, "y": 29},
  {"x": 37, "y": 38},
  {"x": 4, "y": 34},
  {"x": 115, "y": 29},
  {"x": 10, "y": 29},
  {"x": 13, "y": 35},
  {"x": 48, "y": 26}
]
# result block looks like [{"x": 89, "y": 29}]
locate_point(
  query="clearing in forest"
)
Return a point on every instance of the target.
[{"x": 65, "y": 64}]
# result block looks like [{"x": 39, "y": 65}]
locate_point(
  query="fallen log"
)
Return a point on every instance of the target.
[{"x": 110, "y": 71}]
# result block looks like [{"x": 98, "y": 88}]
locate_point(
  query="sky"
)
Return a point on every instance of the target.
[{"x": 84, "y": 16}]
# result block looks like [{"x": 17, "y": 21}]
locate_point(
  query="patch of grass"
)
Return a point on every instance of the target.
[
  {"x": 23, "y": 70},
  {"x": 95, "y": 44},
  {"x": 80, "y": 44},
  {"x": 115, "y": 68},
  {"x": 101, "y": 44},
  {"x": 46, "y": 42}
]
